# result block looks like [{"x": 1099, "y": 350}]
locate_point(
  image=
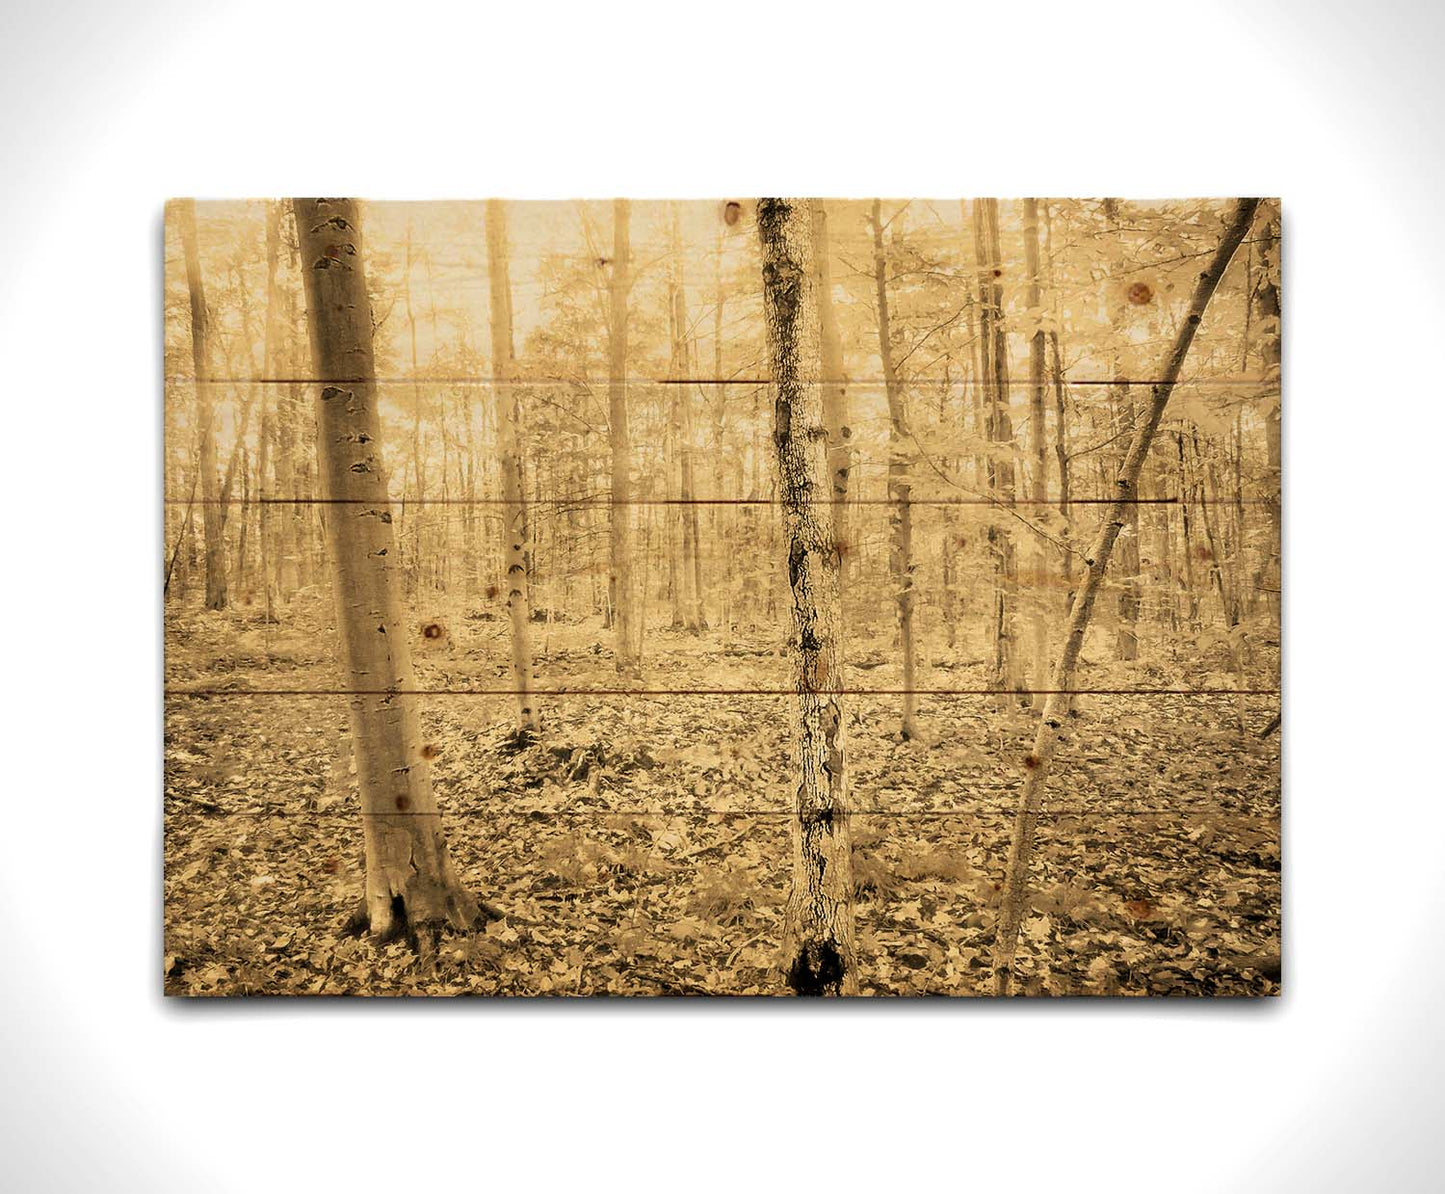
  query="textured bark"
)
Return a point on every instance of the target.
[
  {"x": 900, "y": 489},
  {"x": 212, "y": 522},
  {"x": 819, "y": 956},
  {"x": 620, "y": 440},
  {"x": 410, "y": 879},
  {"x": 515, "y": 547},
  {"x": 1037, "y": 763}
]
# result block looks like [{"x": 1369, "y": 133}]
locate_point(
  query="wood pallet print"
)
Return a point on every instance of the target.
[{"x": 722, "y": 597}]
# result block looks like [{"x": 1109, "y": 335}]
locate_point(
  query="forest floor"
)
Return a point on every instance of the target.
[{"x": 641, "y": 847}]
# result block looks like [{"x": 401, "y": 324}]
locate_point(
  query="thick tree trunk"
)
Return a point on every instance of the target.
[
  {"x": 212, "y": 521},
  {"x": 619, "y": 438},
  {"x": 819, "y": 951},
  {"x": 1037, "y": 763},
  {"x": 900, "y": 489},
  {"x": 509, "y": 463},
  {"x": 411, "y": 882}
]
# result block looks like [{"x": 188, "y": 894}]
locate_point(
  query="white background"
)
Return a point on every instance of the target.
[{"x": 110, "y": 108}]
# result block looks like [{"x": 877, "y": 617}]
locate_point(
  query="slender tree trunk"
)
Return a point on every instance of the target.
[
  {"x": 509, "y": 460},
  {"x": 1061, "y": 439},
  {"x": 1036, "y": 764},
  {"x": 819, "y": 957},
  {"x": 243, "y": 582},
  {"x": 1126, "y": 642},
  {"x": 212, "y": 522},
  {"x": 417, "y": 517},
  {"x": 900, "y": 489},
  {"x": 288, "y": 539},
  {"x": 835, "y": 389},
  {"x": 270, "y": 390},
  {"x": 411, "y": 882},
  {"x": 183, "y": 536},
  {"x": 723, "y": 519},
  {"x": 672, "y": 491},
  {"x": 993, "y": 341},
  {"x": 1038, "y": 447},
  {"x": 692, "y": 581},
  {"x": 620, "y": 440},
  {"x": 1226, "y": 586}
]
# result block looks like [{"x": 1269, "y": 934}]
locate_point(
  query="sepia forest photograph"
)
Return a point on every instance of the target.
[{"x": 767, "y": 597}]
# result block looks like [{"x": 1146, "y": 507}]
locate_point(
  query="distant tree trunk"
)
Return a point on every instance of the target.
[
  {"x": 290, "y": 527},
  {"x": 182, "y": 538},
  {"x": 673, "y": 517},
  {"x": 212, "y": 523},
  {"x": 271, "y": 357},
  {"x": 243, "y": 582},
  {"x": 993, "y": 342},
  {"x": 1227, "y": 588},
  {"x": 415, "y": 518},
  {"x": 509, "y": 462},
  {"x": 1061, "y": 443},
  {"x": 835, "y": 389},
  {"x": 900, "y": 489},
  {"x": 693, "y": 619},
  {"x": 723, "y": 519},
  {"x": 1037, "y": 762},
  {"x": 411, "y": 882},
  {"x": 620, "y": 440},
  {"x": 1038, "y": 447},
  {"x": 819, "y": 954}
]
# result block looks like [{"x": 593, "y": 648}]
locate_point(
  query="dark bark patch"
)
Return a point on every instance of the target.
[
  {"x": 817, "y": 970},
  {"x": 796, "y": 555}
]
